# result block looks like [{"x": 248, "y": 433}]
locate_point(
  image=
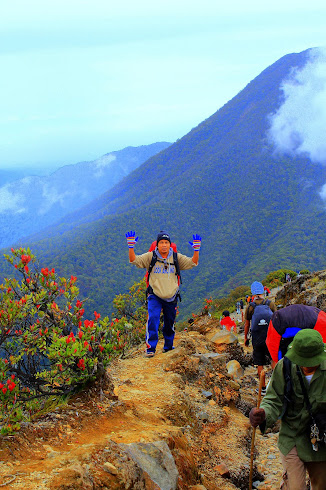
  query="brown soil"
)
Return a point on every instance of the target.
[{"x": 153, "y": 400}]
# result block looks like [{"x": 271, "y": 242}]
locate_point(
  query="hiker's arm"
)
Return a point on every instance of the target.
[
  {"x": 195, "y": 257},
  {"x": 273, "y": 400},
  {"x": 132, "y": 255},
  {"x": 246, "y": 331}
]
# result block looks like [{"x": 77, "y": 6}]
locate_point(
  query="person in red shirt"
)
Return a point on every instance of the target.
[{"x": 227, "y": 322}]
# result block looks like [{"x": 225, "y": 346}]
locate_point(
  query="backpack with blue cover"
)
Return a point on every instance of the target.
[{"x": 260, "y": 321}]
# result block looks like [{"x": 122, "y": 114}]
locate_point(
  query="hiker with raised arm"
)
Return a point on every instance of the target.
[
  {"x": 163, "y": 265},
  {"x": 302, "y": 409},
  {"x": 257, "y": 316}
]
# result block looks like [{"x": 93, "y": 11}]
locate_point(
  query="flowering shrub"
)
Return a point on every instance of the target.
[
  {"x": 131, "y": 310},
  {"x": 47, "y": 347},
  {"x": 207, "y": 306}
]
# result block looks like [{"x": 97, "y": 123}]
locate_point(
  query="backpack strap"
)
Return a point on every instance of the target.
[
  {"x": 149, "y": 290},
  {"x": 288, "y": 388},
  {"x": 305, "y": 394},
  {"x": 151, "y": 265},
  {"x": 176, "y": 265}
]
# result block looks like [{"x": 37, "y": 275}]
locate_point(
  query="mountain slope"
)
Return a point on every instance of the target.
[
  {"x": 31, "y": 203},
  {"x": 255, "y": 212}
]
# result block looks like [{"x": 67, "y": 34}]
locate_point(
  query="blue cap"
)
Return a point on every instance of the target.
[
  {"x": 163, "y": 235},
  {"x": 257, "y": 288}
]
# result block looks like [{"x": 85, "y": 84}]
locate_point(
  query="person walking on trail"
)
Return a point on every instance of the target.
[
  {"x": 227, "y": 323},
  {"x": 267, "y": 291},
  {"x": 299, "y": 446},
  {"x": 163, "y": 289},
  {"x": 237, "y": 305},
  {"x": 257, "y": 316}
]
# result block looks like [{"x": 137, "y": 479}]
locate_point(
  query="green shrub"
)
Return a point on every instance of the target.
[{"x": 47, "y": 346}]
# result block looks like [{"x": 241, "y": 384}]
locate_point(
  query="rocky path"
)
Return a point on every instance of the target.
[{"x": 183, "y": 400}]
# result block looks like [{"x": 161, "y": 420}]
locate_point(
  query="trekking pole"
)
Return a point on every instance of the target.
[{"x": 261, "y": 384}]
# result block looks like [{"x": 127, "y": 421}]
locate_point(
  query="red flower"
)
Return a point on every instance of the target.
[
  {"x": 4, "y": 390},
  {"x": 11, "y": 386},
  {"x": 80, "y": 334},
  {"x": 81, "y": 364}
]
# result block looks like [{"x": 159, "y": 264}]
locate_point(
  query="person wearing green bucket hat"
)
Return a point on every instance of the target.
[{"x": 299, "y": 450}]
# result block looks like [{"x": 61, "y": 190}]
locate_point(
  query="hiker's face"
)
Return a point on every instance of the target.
[
  {"x": 308, "y": 370},
  {"x": 163, "y": 247}
]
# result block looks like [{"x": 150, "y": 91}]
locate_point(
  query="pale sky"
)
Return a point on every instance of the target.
[{"x": 81, "y": 78}]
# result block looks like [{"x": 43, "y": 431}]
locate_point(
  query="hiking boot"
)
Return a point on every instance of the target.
[
  {"x": 167, "y": 350},
  {"x": 149, "y": 354}
]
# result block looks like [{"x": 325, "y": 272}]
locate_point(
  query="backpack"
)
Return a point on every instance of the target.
[
  {"x": 260, "y": 321},
  {"x": 153, "y": 262},
  {"x": 282, "y": 330}
]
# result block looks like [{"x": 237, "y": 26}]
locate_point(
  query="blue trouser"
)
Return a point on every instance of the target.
[{"x": 155, "y": 306}]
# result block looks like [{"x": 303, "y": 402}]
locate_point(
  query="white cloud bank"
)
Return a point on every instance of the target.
[
  {"x": 298, "y": 127},
  {"x": 11, "y": 201}
]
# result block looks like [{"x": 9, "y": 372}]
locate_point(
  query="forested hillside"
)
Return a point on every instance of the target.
[
  {"x": 256, "y": 212},
  {"x": 32, "y": 202}
]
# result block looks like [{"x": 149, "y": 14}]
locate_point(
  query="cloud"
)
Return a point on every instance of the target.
[
  {"x": 101, "y": 163},
  {"x": 298, "y": 127},
  {"x": 51, "y": 197},
  {"x": 10, "y": 201}
]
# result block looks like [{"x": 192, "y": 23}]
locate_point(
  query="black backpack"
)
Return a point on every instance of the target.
[
  {"x": 155, "y": 259},
  {"x": 260, "y": 321}
]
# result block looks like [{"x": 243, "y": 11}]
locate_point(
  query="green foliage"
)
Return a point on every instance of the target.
[
  {"x": 304, "y": 271},
  {"x": 131, "y": 310},
  {"x": 47, "y": 347},
  {"x": 216, "y": 306},
  {"x": 277, "y": 278}
]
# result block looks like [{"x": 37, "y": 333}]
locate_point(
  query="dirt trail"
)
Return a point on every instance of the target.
[{"x": 155, "y": 399}]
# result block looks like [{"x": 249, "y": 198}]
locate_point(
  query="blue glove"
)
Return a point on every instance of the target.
[
  {"x": 131, "y": 240},
  {"x": 196, "y": 243}
]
